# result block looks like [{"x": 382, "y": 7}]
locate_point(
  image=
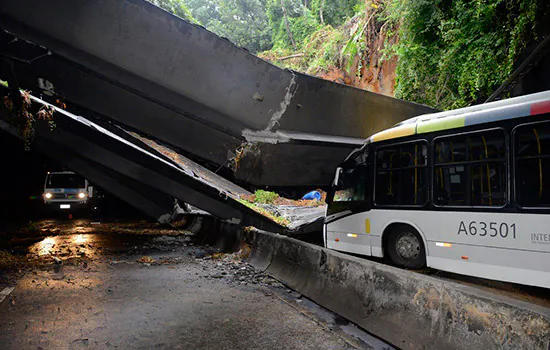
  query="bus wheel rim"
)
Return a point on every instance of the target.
[{"x": 408, "y": 246}]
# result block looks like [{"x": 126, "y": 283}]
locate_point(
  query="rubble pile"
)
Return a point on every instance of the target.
[{"x": 234, "y": 270}]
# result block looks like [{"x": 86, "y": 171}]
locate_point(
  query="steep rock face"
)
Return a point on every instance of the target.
[
  {"x": 368, "y": 70},
  {"x": 378, "y": 75},
  {"x": 353, "y": 53}
]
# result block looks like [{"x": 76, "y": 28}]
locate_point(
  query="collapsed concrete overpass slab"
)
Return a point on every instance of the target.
[
  {"x": 180, "y": 84},
  {"x": 144, "y": 177}
]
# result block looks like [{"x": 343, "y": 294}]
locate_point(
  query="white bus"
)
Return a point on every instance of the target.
[{"x": 465, "y": 191}]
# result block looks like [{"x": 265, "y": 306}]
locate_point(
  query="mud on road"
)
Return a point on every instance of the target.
[{"x": 85, "y": 285}]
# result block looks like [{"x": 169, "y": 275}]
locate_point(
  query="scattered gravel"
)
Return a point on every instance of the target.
[{"x": 234, "y": 270}]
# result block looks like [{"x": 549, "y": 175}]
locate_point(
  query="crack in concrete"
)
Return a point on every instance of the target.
[
  {"x": 268, "y": 135},
  {"x": 290, "y": 92}
]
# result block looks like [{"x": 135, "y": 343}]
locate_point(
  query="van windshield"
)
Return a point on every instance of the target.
[{"x": 65, "y": 181}]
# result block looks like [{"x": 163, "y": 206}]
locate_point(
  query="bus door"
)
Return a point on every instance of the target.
[{"x": 345, "y": 221}]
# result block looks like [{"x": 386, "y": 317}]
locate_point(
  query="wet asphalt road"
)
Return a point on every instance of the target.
[{"x": 103, "y": 291}]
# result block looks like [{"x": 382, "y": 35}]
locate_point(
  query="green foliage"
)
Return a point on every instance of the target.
[
  {"x": 304, "y": 18},
  {"x": 278, "y": 219},
  {"x": 322, "y": 51},
  {"x": 303, "y": 26},
  {"x": 319, "y": 53},
  {"x": 452, "y": 54},
  {"x": 354, "y": 45},
  {"x": 335, "y": 12},
  {"x": 280, "y": 35},
  {"x": 259, "y": 25},
  {"x": 176, "y": 7},
  {"x": 243, "y": 22},
  {"x": 204, "y": 11},
  {"x": 265, "y": 197}
]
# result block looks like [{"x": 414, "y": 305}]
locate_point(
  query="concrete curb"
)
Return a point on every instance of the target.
[{"x": 410, "y": 310}]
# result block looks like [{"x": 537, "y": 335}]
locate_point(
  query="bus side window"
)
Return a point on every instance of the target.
[
  {"x": 470, "y": 170},
  {"x": 532, "y": 164},
  {"x": 450, "y": 178},
  {"x": 401, "y": 174},
  {"x": 488, "y": 173}
]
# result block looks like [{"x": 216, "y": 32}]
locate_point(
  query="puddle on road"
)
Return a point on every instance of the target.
[
  {"x": 45, "y": 247},
  {"x": 73, "y": 246},
  {"x": 66, "y": 247},
  {"x": 50, "y": 245},
  {"x": 92, "y": 246}
]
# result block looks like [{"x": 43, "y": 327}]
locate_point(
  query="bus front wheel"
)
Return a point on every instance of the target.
[{"x": 405, "y": 247}]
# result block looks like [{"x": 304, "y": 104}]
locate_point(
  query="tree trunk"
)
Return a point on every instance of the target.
[
  {"x": 321, "y": 9},
  {"x": 289, "y": 57},
  {"x": 287, "y": 24}
]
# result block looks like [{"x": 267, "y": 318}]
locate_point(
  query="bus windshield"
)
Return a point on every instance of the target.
[
  {"x": 65, "y": 181},
  {"x": 352, "y": 184}
]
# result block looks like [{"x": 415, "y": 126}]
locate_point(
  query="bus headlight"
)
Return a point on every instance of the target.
[
  {"x": 47, "y": 195},
  {"x": 82, "y": 195}
]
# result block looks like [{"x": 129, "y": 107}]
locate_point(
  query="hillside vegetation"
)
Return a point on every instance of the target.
[{"x": 446, "y": 54}]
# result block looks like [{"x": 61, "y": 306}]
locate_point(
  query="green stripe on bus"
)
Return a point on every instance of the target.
[{"x": 440, "y": 124}]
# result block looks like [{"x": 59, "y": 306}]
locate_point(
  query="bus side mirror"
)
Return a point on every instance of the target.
[{"x": 336, "y": 181}]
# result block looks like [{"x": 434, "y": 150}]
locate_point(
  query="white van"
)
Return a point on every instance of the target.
[{"x": 66, "y": 190}]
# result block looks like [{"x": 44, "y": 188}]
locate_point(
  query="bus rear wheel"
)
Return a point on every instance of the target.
[{"x": 405, "y": 247}]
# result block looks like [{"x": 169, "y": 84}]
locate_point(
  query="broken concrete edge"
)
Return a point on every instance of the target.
[
  {"x": 284, "y": 136},
  {"x": 408, "y": 309}
]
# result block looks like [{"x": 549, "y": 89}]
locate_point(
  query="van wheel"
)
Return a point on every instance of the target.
[{"x": 405, "y": 248}]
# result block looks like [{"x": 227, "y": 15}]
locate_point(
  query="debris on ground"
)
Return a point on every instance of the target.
[
  {"x": 141, "y": 228},
  {"x": 146, "y": 260},
  {"x": 173, "y": 239},
  {"x": 274, "y": 217},
  {"x": 232, "y": 268},
  {"x": 286, "y": 212},
  {"x": 267, "y": 197},
  {"x": 200, "y": 253},
  {"x": 7, "y": 261},
  {"x": 62, "y": 252}
]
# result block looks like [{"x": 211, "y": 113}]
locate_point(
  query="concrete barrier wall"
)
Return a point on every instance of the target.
[{"x": 410, "y": 310}]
